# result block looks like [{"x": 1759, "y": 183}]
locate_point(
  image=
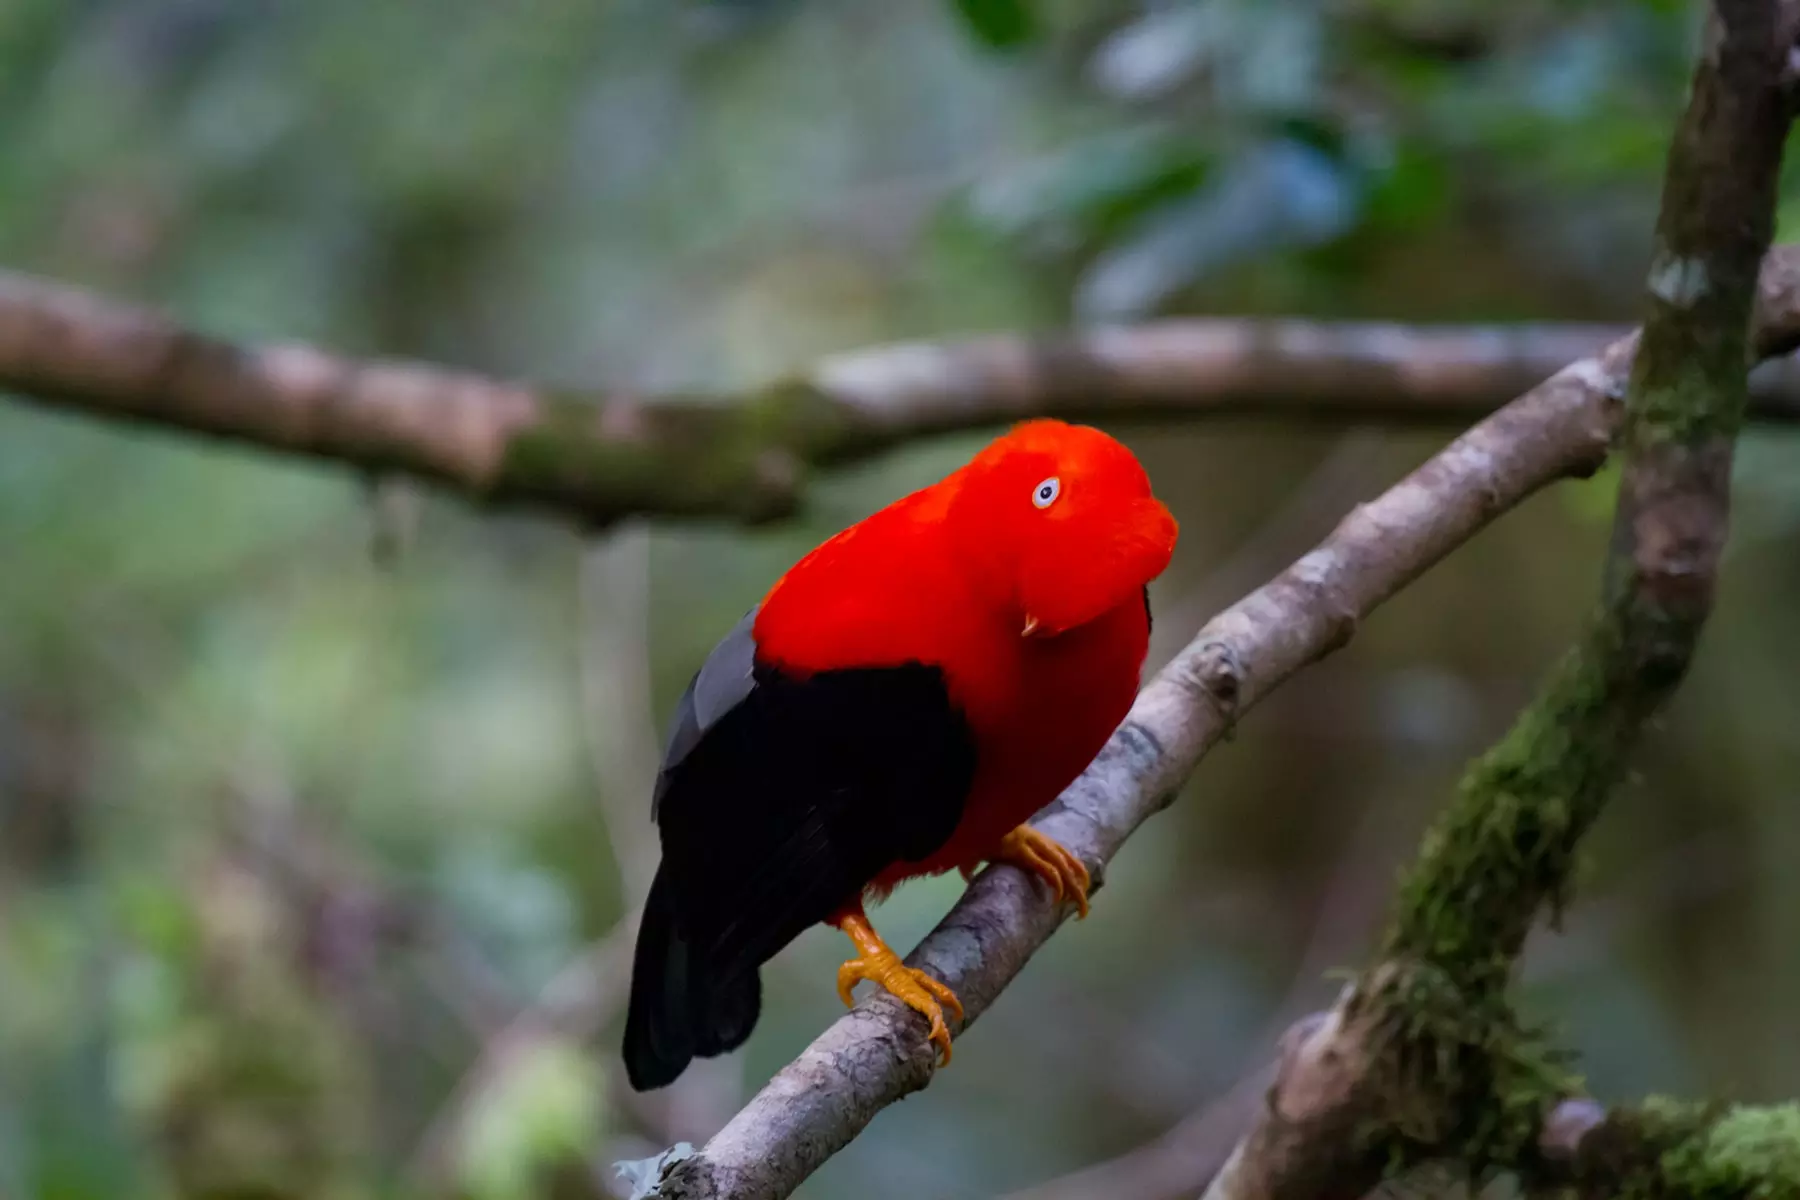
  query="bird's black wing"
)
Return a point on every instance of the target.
[
  {"x": 720, "y": 685},
  {"x": 779, "y": 800}
]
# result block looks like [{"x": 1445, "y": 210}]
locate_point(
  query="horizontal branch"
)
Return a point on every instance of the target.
[
  {"x": 599, "y": 456},
  {"x": 877, "y": 1053}
]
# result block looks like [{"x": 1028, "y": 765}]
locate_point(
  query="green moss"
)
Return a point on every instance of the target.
[
  {"x": 741, "y": 458},
  {"x": 1508, "y": 842},
  {"x": 1456, "y": 1071},
  {"x": 1623, "y": 1155},
  {"x": 1689, "y": 405},
  {"x": 1753, "y": 1153},
  {"x": 694, "y": 456},
  {"x": 794, "y": 412},
  {"x": 1682, "y": 1150},
  {"x": 1688, "y": 381},
  {"x": 1457, "y": 1075},
  {"x": 1462, "y": 1074}
]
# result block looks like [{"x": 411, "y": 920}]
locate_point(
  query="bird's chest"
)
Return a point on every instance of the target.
[{"x": 1042, "y": 719}]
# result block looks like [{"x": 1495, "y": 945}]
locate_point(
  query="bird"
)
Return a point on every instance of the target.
[{"x": 899, "y": 704}]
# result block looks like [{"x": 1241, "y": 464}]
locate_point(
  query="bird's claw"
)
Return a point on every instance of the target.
[
  {"x": 911, "y": 986},
  {"x": 1043, "y": 856}
]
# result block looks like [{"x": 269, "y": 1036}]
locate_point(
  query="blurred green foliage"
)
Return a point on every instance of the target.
[
  {"x": 288, "y": 836},
  {"x": 999, "y": 23}
]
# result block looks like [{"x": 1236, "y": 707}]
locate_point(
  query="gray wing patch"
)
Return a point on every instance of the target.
[{"x": 724, "y": 679}]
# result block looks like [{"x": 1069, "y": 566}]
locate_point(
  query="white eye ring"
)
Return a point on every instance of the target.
[{"x": 1045, "y": 494}]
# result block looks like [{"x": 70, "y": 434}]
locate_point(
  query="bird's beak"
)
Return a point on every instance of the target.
[{"x": 1031, "y": 624}]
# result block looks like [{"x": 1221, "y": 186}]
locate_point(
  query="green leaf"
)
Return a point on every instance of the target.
[{"x": 1001, "y": 24}]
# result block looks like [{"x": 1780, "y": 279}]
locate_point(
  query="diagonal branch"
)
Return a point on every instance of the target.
[
  {"x": 600, "y": 456},
  {"x": 877, "y": 1054}
]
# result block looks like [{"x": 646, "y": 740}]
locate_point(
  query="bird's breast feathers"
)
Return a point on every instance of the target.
[
  {"x": 893, "y": 590},
  {"x": 1009, "y": 687}
]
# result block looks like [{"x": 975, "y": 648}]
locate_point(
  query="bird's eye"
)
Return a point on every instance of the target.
[{"x": 1045, "y": 494}]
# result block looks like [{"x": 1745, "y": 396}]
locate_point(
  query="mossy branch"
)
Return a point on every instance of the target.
[
  {"x": 1426, "y": 1057},
  {"x": 1668, "y": 1149},
  {"x": 1507, "y": 845}
]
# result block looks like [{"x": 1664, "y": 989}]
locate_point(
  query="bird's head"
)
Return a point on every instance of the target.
[{"x": 1061, "y": 519}]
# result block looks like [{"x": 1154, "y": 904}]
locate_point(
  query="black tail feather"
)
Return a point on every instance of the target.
[
  {"x": 679, "y": 1011},
  {"x": 730, "y": 1013}
]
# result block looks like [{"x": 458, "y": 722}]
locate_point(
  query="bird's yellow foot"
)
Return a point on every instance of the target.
[
  {"x": 911, "y": 986},
  {"x": 1045, "y": 857}
]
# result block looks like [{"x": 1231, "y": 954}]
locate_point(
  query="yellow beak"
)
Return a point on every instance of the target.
[{"x": 1031, "y": 624}]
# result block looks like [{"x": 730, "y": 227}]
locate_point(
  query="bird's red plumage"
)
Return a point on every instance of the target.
[{"x": 950, "y": 575}]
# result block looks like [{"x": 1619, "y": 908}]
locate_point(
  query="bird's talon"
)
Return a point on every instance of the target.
[
  {"x": 940, "y": 1038},
  {"x": 941, "y": 991},
  {"x": 1045, "y": 857},
  {"x": 911, "y": 986}
]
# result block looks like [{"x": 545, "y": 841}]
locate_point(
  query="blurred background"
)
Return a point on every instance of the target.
[{"x": 321, "y": 799}]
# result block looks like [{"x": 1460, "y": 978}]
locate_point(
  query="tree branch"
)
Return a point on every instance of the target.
[
  {"x": 602, "y": 456},
  {"x": 1424, "y": 1056},
  {"x": 877, "y": 1054},
  {"x": 1675, "y": 1149}
]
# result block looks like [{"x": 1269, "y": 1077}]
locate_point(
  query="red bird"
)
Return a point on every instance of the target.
[{"x": 898, "y": 705}]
